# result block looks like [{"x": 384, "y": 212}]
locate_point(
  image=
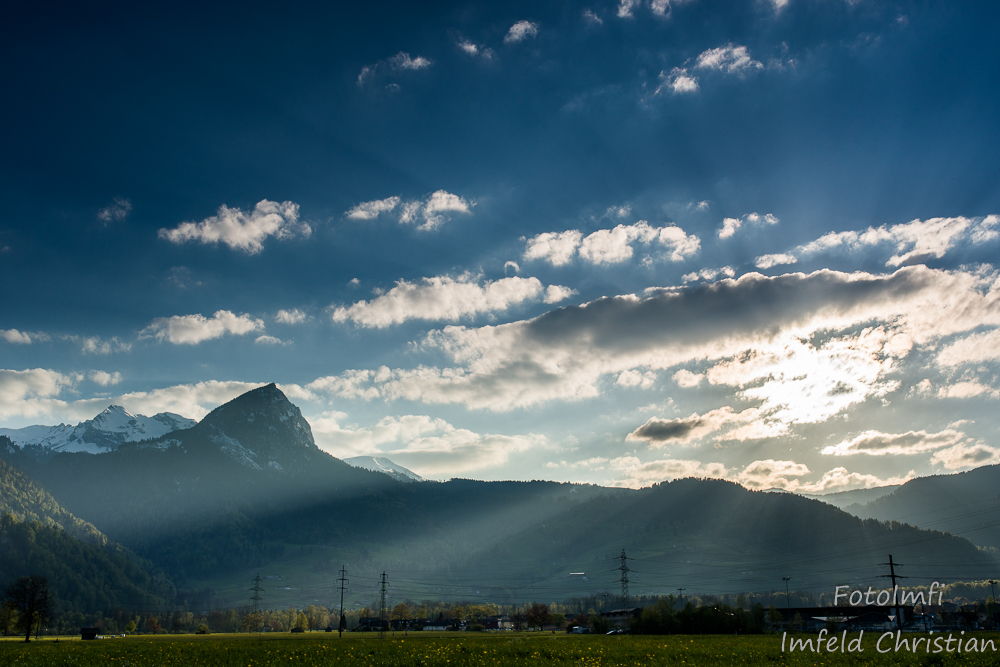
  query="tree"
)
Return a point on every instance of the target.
[
  {"x": 33, "y": 601},
  {"x": 130, "y": 628},
  {"x": 538, "y": 615}
]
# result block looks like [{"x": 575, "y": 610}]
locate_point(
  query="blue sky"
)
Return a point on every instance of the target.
[{"x": 615, "y": 243}]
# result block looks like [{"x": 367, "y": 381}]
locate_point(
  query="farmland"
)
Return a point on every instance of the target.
[{"x": 456, "y": 650}]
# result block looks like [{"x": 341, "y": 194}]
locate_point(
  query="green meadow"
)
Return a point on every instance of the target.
[{"x": 457, "y": 650}]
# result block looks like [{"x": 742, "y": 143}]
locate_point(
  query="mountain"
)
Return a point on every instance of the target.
[
  {"x": 842, "y": 499},
  {"x": 105, "y": 432},
  {"x": 965, "y": 503},
  {"x": 385, "y": 466}
]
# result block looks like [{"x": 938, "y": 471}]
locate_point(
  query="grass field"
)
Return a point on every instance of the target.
[{"x": 458, "y": 650}]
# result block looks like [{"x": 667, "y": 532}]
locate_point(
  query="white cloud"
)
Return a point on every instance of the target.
[
  {"x": 678, "y": 82},
  {"x": 17, "y": 337},
  {"x": 397, "y": 63},
  {"x": 194, "y": 329},
  {"x": 438, "y": 206},
  {"x": 686, "y": 379},
  {"x": 369, "y": 210},
  {"x": 520, "y": 31},
  {"x": 967, "y": 389},
  {"x": 445, "y": 298},
  {"x": 117, "y": 211},
  {"x": 610, "y": 246},
  {"x": 729, "y": 59},
  {"x": 636, "y": 474},
  {"x": 709, "y": 274},
  {"x": 840, "y": 479},
  {"x": 268, "y": 340},
  {"x": 557, "y": 293},
  {"x": 104, "y": 378},
  {"x": 772, "y": 474},
  {"x": 98, "y": 345},
  {"x": 966, "y": 456},
  {"x": 731, "y": 225},
  {"x": 590, "y": 17},
  {"x": 974, "y": 349},
  {"x": 876, "y": 443},
  {"x": 769, "y": 261},
  {"x": 915, "y": 241},
  {"x": 511, "y": 265},
  {"x": 634, "y": 378},
  {"x": 31, "y": 393},
  {"x": 758, "y": 330},
  {"x": 293, "y": 316},
  {"x": 241, "y": 230},
  {"x": 475, "y": 50},
  {"x": 429, "y": 446}
]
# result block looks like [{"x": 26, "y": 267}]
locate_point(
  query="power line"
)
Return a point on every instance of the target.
[
  {"x": 343, "y": 589},
  {"x": 382, "y": 622}
]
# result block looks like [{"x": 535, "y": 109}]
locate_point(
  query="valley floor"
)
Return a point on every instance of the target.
[{"x": 461, "y": 650}]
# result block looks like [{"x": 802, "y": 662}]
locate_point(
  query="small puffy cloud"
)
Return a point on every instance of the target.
[
  {"x": 769, "y": 261},
  {"x": 687, "y": 379},
  {"x": 476, "y": 50},
  {"x": 446, "y": 298},
  {"x": 117, "y": 211},
  {"x": 709, "y": 274},
  {"x": 685, "y": 430},
  {"x": 732, "y": 225},
  {"x": 677, "y": 81},
  {"x": 636, "y": 474},
  {"x": 876, "y": 443},
  {"x": 400, "y": 62},
  {"x": 610, "y": 246},
  {"x": 557, "y": 293},
  {"x": 967, "y": 389},
  {"x": 268, "y": 340},
  {"x": 104, "y": 378},
  {"x": 966, "y": 456},
  {"x": 293, "y": 316},
  {"x": 98, "y": 345},
  {"x": 589, "y": 16},
  {"x": 242, "y": 230},
  {"x": 17, "y": 337},
  {"x": 33, "y": 392},
  {"x": 194, "y": 329},
  {"x": 975, "y": 349},
  {"x": 520, "y": 31},
  {"x": 626, "y": 7},
  {"x": 369, "y": 210},
  {"x": 438, "y": 206},
  {"x": 511, "y": 265},
  {"x": 772, "y": 474},
  {"x": 729, "y": 59},
  {"x": 634, "y": 378}
]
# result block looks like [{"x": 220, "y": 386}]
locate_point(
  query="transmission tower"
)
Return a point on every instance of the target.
[
  {"x": 383, "y": 584},
  {"x": 343, "y": 589},
  {"x": 893, "y": 576},
  {"x": 255, "y": 610},
  {"x": 623, "y": 568}
]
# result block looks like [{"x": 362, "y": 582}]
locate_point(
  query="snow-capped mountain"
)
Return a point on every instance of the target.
[
  {"x": 384, "y": 465},
  {"x": 105, "y": 432}
]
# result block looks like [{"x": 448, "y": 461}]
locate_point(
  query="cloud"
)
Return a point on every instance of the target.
[
  {"x": 659, "y": 432},
  {"x": 557, "y": 293},
  {"x": 975, "y": 349},
  {"x": 369, "y": 210},
  {"x": 966, "y": 456},
  {"x": 967, "y": 389},
  {"x": 194, "y": 329},
  {"x": 915, "y": 241},
  {"x": 429, "y": 446},
  {"x": 840, "y": 479},
  {"x": 731, "y": 225},
  {"x": 446, "y": 298},
  {"x": 401, "y": 62},
  {"x": 520, "y": 31},
  {"x": 678, "y": 82},
  {"x": 769, "y": 261},
  {"x": 104, "y": 378},
  {"x": 511, "y": 265},
  {"x": 293, "y": 316},
  {"x": 626, "y": 7},
  {"x": 687, "y": 379},
  {"x": 269, "y": 340},
  {"x": 98, "y": 345},
  {"x": 636, "y": 474},
  {"x": 876, "y": 443},
  {"x": 758, "y": 330},
  {"x": 241, "y": 230},
  {"x": 634, "y": 378},
  {"x": 729, "y": 59},
  {"x": 610, "y": 246},
  {"x": 116, "y": 212},
  {"x": 772, "y": 474},
  {"x": 709, "y": 274},
  {"x": 16, "y": 337},
  {"x": 475, "y": 50},
  {"x": 33, "y": 392},
  {"x": 589, "y": 16}
]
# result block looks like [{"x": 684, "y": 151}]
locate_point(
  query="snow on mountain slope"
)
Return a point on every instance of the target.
[
  {"x": 384, "y": 465},
  {"x": 105, "y": 432}
]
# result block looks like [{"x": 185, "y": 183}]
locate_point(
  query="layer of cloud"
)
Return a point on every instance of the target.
[
  {"x": 520, "y": 31},
  {"x": 448, "y": 299},
  {"x": 401, "y": 62},
  {"x": 876, "y": 443},
  {"x": 777, "y": 474},
  {"x": 194, "y": 329},
  {"x": 242, "y": 230},
  {"x": 975, "y": 349},
  {"x": 757, "y": 329},
  {"x": 428, "y": 213},
  {"x": 610, "y": 246}
]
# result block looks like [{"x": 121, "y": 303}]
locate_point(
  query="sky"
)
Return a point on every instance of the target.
[{"x": 607, "y": 242}]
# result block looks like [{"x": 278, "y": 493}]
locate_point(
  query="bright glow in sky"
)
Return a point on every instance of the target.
[{"x": 615, "y": 243}]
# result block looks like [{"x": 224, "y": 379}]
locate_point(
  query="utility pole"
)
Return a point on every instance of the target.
[
  {"x": 893, "y": 576},
  {"x": 382, "y": 621},
  {"x": 788, "y": 603},
  {"x": 623, "y": 568},
  {"x": 255, "y": 610},
  {"x": 680, "y": 593},
  {"x": 994, "y": 596},
  {"x": 343, "y": 589}
]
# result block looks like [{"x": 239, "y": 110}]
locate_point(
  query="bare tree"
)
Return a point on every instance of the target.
[{"x": 32, "y": 599}]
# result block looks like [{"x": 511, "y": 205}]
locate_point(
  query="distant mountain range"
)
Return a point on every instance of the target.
[
  {"x": 105, "y": 432},
  {"x": 385, "y": 466},
  {"x": 842, "y": 499}
]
